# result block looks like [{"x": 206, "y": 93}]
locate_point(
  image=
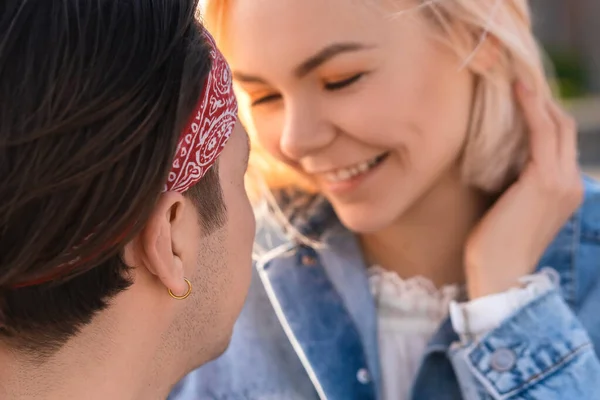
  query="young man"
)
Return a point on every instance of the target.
[{"x": 125, "y": 229}]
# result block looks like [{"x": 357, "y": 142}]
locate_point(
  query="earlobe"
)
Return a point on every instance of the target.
[{"x": 186, "y": 294}]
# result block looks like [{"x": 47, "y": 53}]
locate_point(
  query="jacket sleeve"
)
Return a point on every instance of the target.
[{"x": 541, "y": 351}]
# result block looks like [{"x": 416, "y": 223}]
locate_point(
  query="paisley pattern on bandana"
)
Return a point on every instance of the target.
[{"x": 209, "y": 128}]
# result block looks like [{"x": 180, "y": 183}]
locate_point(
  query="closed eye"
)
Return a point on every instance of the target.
[
  {"x": 337, "y": 85},
  {"x": 265, "y": 99}
]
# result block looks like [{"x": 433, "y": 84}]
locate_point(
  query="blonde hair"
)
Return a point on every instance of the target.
[{"x": 496, "y": 146}]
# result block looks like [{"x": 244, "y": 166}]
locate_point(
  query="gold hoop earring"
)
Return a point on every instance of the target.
[{"x": 186, "y": 295}]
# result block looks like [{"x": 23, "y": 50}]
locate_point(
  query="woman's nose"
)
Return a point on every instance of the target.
[{"x": 305, "y": 131}]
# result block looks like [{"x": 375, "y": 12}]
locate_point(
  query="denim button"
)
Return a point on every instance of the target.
[
  {"x": 308, "y": 260},
  {"x": 363, "y": 376},
  {"x": 503, "y": 360}
]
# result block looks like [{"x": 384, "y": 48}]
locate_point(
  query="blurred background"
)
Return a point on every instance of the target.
[{"x": 569, "y": 30}]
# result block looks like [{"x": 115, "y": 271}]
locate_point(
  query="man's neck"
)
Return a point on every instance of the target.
[
  {"x": 118, "y": 356},
  {"x": 429, "y": 239}
]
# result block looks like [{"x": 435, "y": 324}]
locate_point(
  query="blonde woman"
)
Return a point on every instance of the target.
[{"x": 428, "y": 240}]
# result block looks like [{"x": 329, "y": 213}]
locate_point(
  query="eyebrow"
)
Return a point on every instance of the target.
[
  {"x": 327, "y": 54},
  {"x": 312, "y": 62}
]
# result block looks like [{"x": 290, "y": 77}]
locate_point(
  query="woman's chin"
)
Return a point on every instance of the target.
[{"x": 368, "y": 220}]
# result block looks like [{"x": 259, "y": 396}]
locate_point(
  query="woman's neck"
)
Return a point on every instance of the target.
[{"x": 429, "y": 239}]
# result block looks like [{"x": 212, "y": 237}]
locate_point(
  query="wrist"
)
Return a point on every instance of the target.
[
  {"x": 478, "y": 288},
  {"x": 476, "y": 317},
  {"x": 483, "y": 285}
]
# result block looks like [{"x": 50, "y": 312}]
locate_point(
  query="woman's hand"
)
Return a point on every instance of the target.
[{"x": 509, "y": 241}]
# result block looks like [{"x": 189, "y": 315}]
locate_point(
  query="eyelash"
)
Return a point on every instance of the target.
[
  {"x": 265, "y": 99},
  {"x": 331, "y": 86},
  {"x": 337, "y": 85}
]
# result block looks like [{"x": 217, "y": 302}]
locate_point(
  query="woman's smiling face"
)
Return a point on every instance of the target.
[{"x": 360, "y": 98}]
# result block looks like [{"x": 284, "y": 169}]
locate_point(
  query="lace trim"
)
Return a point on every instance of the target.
[{"x": 416, "y": 297}]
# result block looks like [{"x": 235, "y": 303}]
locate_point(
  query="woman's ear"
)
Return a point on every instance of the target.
[{"x": 486, "y": 55}]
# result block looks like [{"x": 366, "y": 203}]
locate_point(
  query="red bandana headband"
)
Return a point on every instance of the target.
[
  {"x": 209, "y": 128},
  {"x": 200, "y": 144}
]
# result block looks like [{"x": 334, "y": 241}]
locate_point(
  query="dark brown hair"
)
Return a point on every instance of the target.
[{"x": 93, "y": 96}]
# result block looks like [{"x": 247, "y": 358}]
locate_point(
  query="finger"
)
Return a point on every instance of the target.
[
  {"x": 567, "y": 134},
  {"x": 568, "y": 173},
  {"x": 543, "y": 135}
]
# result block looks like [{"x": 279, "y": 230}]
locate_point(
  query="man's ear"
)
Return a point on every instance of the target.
[{"x": 154, "y": 246}]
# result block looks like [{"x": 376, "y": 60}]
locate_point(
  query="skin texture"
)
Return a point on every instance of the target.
[
  {"x": 332, "y": 84},
  {"x": 146, "y": 340}
]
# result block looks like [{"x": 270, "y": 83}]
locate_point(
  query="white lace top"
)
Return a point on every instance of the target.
[{"x": 410, "y": 311}]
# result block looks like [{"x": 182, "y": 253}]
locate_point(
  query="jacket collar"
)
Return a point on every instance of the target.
[{"x": 320, "y": 315}]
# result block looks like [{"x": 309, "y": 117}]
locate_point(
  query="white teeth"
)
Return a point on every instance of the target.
[{"x": 344, "y": 174}]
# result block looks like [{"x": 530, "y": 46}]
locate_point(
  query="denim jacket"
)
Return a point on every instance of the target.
[{"x": 309, "y": 330}]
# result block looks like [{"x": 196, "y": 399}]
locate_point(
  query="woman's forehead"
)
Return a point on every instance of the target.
[{"x": 262, "y": 32}]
